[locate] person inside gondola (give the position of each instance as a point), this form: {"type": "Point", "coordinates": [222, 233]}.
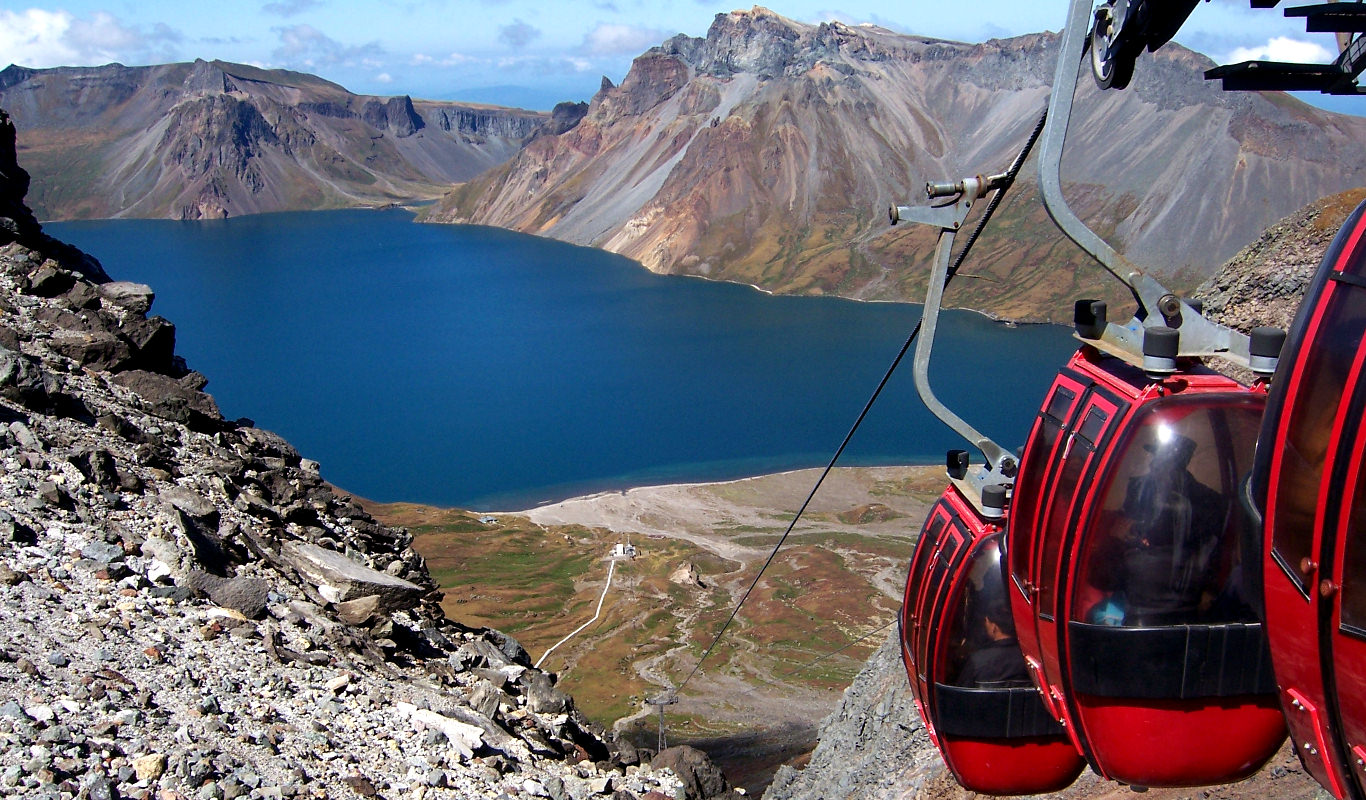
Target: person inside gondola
{"type": "Point", "coordinates": [997, 662]}
{"type": "Point", "coordinates": [1176, 525]}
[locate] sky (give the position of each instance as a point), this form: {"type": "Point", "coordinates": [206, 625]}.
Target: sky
{"type": "Point", "coordinates": [534, 54]}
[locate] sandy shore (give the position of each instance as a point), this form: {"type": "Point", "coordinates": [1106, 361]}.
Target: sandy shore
{"type": "Point", "coordinates": [709, 513]}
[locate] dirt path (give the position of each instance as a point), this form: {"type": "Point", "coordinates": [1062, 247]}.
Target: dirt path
{"type": "Point", "coordinates": [738, 520]}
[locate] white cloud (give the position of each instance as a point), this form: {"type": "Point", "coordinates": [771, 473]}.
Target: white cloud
{"type": "Point", "coordinates": [39, 38]}
{"type": "Point", "coordinates": [519, 34]}
{"type": "Point", "coordinates": [384, 77]}
{"type": "Point", "coordinates": [452, 60]}
{"type": "Point", "coordinates": [1283, 48]}
{"type": "Point", "coordinates": [288, 8]}
{"type": "Point", "coordinates": [104, 35]}
{"type": "Point", "coordinates": [543, 65]}
{"type": "Point", "coordinates": [305, 46]}
{"type": "Point", "coordinates": [34, 38]}
{"type": "Point", "coordinates": [612, 38]}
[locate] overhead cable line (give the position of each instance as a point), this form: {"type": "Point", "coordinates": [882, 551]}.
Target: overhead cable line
{"type": "Point", "coordinates": [953, 270]}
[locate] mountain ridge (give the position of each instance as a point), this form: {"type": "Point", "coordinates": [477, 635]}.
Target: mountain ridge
{"type": "Point", "coordinates": [209, 139]}
{"type": "Point", "coordinates": [765, 153]}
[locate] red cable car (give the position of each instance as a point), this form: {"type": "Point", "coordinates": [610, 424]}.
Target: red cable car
{"type": "Point", "coordinates": [965, 668]}
{"type": "Point", "coordinates": [969, 678]}
{"type": "Point", "coordinates": [1123, 545]}
{"type": "Point", "coordinates": [1310, 483]}
{"type": "Point", "coordinates": [1124, 557]}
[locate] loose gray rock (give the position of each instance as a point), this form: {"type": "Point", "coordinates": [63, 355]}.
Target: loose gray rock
{"type": "Point", "coordinates": [701, 778]}
{"type": "Point", "coordinates": [192, 503]}
{"type": "Point", "coordinates": [135, 298]}
{"type": "Point", "coordinates": [247, 596]}
{"type": "Point", "coordinates": [359, 611]}
{"type": "Point", "coordinates": [22, 379]}
{"type": "Point", "coordinates": [344, 579]}
{"type": "Point", "coordinates": [541, 696]}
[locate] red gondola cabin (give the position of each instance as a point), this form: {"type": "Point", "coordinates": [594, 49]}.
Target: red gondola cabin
{"type": "Point", "coordinates": [1310, 483]}
{"type": "Point", "coordinates": [1125, 572]}
{"type": "Point", "coordinates": [965, 667]}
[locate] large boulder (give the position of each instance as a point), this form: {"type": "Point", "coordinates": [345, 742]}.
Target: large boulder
{"type": "Point", "coordinates": [340, 579]}
{"type": "Point", "coordinates": [702, 780]}
{"type": "Point", "coordinates": [168, 398]}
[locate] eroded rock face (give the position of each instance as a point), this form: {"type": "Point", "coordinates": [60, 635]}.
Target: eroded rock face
{"type": "Point", "coordinates": [233, 139]}
{"type": "Point", "coordinates": [767, 151]}
{"type": "Point", "coordinates": [1264, 282]}
{"type": "Point", "coordinates": [873, 745]}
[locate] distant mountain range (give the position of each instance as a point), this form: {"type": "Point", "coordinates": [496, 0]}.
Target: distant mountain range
{"type": "Point", "coordinates": [212, 139]}
{"type": "Point", "coordinates": [765, 153]}
{"type": "Point", "coordinates": [768, 151]}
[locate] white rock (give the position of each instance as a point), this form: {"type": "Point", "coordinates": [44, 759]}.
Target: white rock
{"type": "Point", "coordinates": [157, 570]}
{"type": "Point", "coordinates": [601, 785]}
{"type": "Point", "coordinates": [464, 738]}
{"type": "Point", "coordinates": [41, 713]}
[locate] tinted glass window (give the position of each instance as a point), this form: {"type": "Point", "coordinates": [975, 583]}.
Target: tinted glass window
{"type": "Point", "coordinates": [941, 570]}
{"type": "Point", "coordinates": [924, 551]}
{"type": "Point", "coordinates": [1312, 411]}
{"type": "Point", "coordinates": [984, 652]}
{"type": "Point", "coordinates": [1354, 560]}
{"type": "Point", "coordinates": [1163, 548]}
{"type": "Point", "coordinates": [1354, 566]}
{"type": "Point", "coordinates": [917, 581]}
{"type": "Point", "coordinates": [1025, 506]}
{"type": "Point", "coordinates": [1066, 489]}
{"type": "Point", "coordinates": [1092, 425]}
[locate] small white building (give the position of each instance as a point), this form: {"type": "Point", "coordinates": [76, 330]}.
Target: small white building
{"type": "Point", "coordinates": [624, 550]}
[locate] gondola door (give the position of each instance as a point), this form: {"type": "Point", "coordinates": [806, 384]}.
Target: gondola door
{"type": "Point", "coordinates": [1059, 461]}
{"type": "Point", "coordinates": [1307, 483]}
{"type": "Point", "coordinates": [1343, 590]}
{"type": "Point", "coordinates": [1046, 441]}
{"type": "Point", "coordinates": [1347, 593]}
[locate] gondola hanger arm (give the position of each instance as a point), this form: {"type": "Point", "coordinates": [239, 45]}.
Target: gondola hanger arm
{"type": "Point", "coordinates": [1157, 305]}
{"type": "Point", "coordinates": [949, 219]}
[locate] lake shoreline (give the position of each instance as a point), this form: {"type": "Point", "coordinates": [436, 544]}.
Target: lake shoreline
{"type": "Point", "coordinates": [498, 370]}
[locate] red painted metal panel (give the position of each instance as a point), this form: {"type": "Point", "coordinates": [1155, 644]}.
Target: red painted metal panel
{"type": "Point", "coordinates": [1167, 743]}
{"type": "Point", "coordinates": [1013, 766]}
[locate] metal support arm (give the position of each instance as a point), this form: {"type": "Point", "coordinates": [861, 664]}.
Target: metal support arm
{"type": "Point", "coordinates": [1157, 305]}
{"type": "Point", "coordinates": [948, 218]}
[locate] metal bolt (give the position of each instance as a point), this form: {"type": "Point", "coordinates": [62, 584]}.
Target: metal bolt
{"type": "Point", "coordinates": [1169, 305]}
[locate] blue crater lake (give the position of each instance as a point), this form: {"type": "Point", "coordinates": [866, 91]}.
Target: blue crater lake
{"type": "Point", "coordinates": [475, 367]}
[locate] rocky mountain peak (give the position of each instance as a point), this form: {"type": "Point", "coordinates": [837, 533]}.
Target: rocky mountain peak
{"type": "Point", "coordinates": [208, 78]}
{"type": "Point", "coordinates": [765, 153]}
{"type": "Point", "coordinates": [768, 45]}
